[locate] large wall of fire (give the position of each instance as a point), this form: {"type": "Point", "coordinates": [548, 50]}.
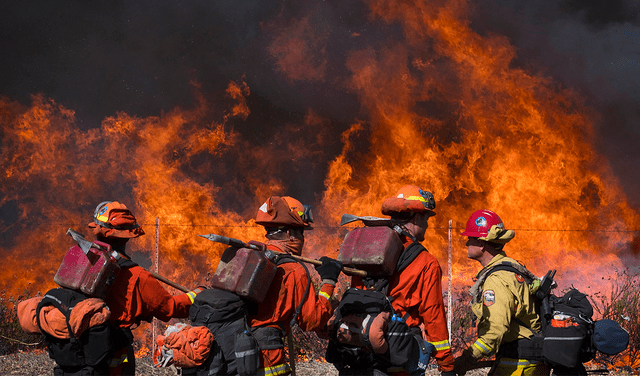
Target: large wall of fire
{"type": "Point", "coordinates": [400, 93]}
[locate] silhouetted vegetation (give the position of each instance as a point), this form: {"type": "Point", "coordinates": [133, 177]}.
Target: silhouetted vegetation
{"type": "Point", "coordinates": [12, 337]}
{"type": "Point", "coordinates": [621, 303]}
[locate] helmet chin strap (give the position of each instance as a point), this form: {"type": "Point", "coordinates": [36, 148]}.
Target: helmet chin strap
{"type": "Point", "coordinates": [401, 229]}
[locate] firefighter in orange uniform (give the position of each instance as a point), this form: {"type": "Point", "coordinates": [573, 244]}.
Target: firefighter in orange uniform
{"type": "Point", "coordinates": [135, 295]}
{"type": "Point", "coordinates": [502, 300]}
{"type": "Point", "coordinates": [291, 297]}
{"type": "Point", "coordinates": [417, 289]}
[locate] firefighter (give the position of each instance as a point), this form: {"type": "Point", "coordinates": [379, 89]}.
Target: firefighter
{"type": "Point", "coordinates": [502, 301]}
{"type": "Point", "coordinates": [291, 297]}
{"type": "Point", "coordinates": [135, 295]}
{"type": "Point", "coordinates": [416, 290]}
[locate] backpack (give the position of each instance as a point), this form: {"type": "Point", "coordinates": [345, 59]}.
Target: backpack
{"type": "Point", "coordinates": [84, 354]}
{"type": "Point", "coordinates": [359, 314]}
{"type": "Point", "coordinates": [82, 276]}
{"type": "Point", "coordinates": [568, 330]}
{"type": "Point", "coordinates": [567, 338]}
{"type": "Point", "coordinates": [224, 314]}
{"type": "Point", "coordinates": [236, 346]}
{"type": "Point", "coordinates": [359, 311]}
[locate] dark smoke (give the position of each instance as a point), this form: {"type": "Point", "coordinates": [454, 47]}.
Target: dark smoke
{"type": "Point", "coordinates": [99, 58]}
{"type": "Point", "coordinates": [592, 46]}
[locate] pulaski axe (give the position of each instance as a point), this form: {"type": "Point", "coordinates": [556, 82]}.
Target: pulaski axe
{"type": "Point", "coordinates": [86, 245]}
{"type": "Point", "coordinates": [236, 243]}
{"type": "Point", "coordinates": [367, 220]}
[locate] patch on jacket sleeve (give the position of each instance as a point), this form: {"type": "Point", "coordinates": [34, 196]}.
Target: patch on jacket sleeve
{"type": "Point", "coordinates": [519, 278]}
{"type": "Point", "coordinates": [488, 298]}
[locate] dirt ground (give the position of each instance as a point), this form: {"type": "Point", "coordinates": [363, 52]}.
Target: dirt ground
{"type": "Point", "coordinates": [37, 363]}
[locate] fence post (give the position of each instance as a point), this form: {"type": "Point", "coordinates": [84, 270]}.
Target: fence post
{"type": "Point", "coordinates": [154, 322]}
{"type": "Point", "coordinates": [450, 271]}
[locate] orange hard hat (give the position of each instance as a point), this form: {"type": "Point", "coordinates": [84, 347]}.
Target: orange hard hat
{"type": "Point", "coordinates": [112, 219]}
{"type": "Point", "coordinates": [284, 212]}
{"type": "Point", "coordinates": [409, 199]}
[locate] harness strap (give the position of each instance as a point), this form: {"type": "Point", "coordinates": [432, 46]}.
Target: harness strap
{"type": "Point", "coordinates": [410, 253]}
{"type": "Point", "coordinates": [282, 259]}
{"type": "Point", "coordinates": [125, 263]}
{"type": "Point", "coordinates": [50, 299]}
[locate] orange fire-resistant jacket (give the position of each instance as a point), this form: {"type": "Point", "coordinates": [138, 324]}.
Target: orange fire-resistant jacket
{"type": "Point", "coordinates": [418, 290]}
{"type": "Point", "coordinates": [136, 295]}
{"type": "Point", "coordinates": [285, 294]}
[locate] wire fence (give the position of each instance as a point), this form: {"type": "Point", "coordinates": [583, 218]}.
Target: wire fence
{"type": "Point", "coordinates": [343, 227]}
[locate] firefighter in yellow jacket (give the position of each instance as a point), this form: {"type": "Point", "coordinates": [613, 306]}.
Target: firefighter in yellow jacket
{"type": "Point", "coordinates": [502, 301]}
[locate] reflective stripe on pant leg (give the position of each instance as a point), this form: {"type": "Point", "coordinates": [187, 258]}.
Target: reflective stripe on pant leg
{"type": "Point", "coordinates": [518, 367]}
{"type": "Point", "coordinates": [118, 358]}
{"type": "Point", "coordinates": [441, 345]}
{"type": "Point", "coordinates": [123, 362]}
{"type": "Point", "coordinates": [280, 369]}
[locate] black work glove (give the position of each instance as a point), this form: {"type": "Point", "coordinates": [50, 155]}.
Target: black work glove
{"type": "Point", "coordinates": [448, 373]}
{"type": "Point", "coordinates": [330, 269]}
{"type": "Point", "coordinates": [464, 362]}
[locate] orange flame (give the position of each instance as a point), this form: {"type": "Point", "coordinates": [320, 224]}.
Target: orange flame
{"type": "Point", "coordinates": [442, 107]}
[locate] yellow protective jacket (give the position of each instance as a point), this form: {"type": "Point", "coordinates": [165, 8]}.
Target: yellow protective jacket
{"type": "Point", "coordinates": [502, 304]}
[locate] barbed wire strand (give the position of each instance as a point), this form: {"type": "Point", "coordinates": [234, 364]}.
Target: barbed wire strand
{"type": "Point", "coordinates": [352, 227]}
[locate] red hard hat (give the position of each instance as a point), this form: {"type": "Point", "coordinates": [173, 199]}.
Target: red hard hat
{"type": "Point", "coordinates": [480, 223]}
{"type": "Point", "coordinates": [284, 212]}
{"type": "Point", "coordinates": [409, 199]}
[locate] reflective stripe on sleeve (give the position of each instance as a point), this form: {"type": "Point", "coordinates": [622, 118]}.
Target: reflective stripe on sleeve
{"type": "Point", "coordinates": [325, 295]}
{"type": "Point", "coordinates": [482, 347]}
{"type": "Point", "coordinates": [191, 295]}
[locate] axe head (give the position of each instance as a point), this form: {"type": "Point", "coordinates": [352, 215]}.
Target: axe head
{"type": "Point", "coordinates": [84, 244]}
{"type": "Point", "coordinates": [367, 220]}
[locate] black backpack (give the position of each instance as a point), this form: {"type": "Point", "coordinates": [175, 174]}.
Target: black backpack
{"type": "Point", "coordinates": [236, 346]}
{"type": "Point", "coordinates": [398, 336]}
{"type": "Point", "coordinates": [86, 354]}
{"type": "Point", "coordinates": [568, 330]}
{"type": "Point", "coordinates": [224, 314]}
{"type": "Point", "coordinates": [566, 339]}
{"type": "Point", "coordinates": [373, 302]}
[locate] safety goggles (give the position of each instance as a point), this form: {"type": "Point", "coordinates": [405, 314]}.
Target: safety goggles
{"type": "Point", "coordinates": [307, 216]}
{"type": "Point", "coordinates": [427, 200]}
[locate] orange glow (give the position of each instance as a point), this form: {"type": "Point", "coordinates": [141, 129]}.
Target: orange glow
{"type": "Point", "coordinates": [142, 352]}
{"type": "Point", "coordinates": [443, 108]}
